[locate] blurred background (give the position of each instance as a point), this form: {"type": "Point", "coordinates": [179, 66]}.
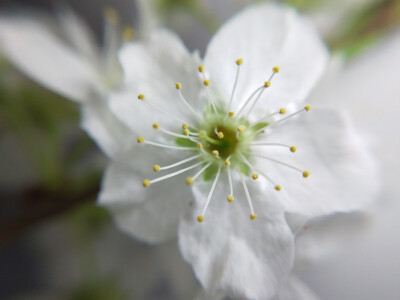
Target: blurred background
{"type": "Point", "coordinates": [55, 243]}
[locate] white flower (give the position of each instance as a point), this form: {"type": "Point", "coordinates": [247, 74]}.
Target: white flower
{"type": "Point", "coordinates": [64, 57]}
{"type": "Point", "coordinates": [223, 124]}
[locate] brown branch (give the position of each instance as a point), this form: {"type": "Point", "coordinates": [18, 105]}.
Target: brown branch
{"type": "Point", "coordinates": [17, 214]}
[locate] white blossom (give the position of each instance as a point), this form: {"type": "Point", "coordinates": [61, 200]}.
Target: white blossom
{"type": "Point", "coordinates": [238, 125]}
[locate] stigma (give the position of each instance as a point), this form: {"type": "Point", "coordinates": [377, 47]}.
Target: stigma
{"type": "Point", "coordinates": [220, 141]}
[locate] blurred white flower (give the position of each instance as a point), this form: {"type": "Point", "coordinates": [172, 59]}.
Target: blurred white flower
{"type": "Point", "coordinates": [216, 113]}
{"type": "Point", "coordinates": [370, 90]}
{"type": "Point", "coordinates": [63, 56]}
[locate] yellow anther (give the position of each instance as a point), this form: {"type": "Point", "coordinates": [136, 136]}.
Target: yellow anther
{"type": "Point", "coordinates": [201, 68]}
{"type": "Point", "coordinates": [156, 126]}
{"type": "Point", "coordinates": [128, 33]}
{"type": "Point", "coordinates": [275, 69]}
{"type": "Point", "coordinates": [267, 84]}
{"type": "Point", "coordinates": [199, 145]}
{"type": "Point", "coordinates": [215, 153]}
{"type": "Point", "coordinates": [306, 174]}
{"type": "Point", "coordinates": [230, 198]}
{"type": "Point", "coordinates": [200, 218]}
{"type": "Point", "coordinates": [278, 187]}
{"type": "Point", "coordinates": [220, 135]}
{"type": "Point", "coordinates": [231, 114]}
{"type": "Point", "coordinates": [189, 181]}
{"type": "Point", "coordinates": [241, 128]}
{"type": "Point", "coordinates": [146, 183]}
{"type": "Point", "coordinates": [307, 107]}
{"type": "Point", "coordinates": [111, 15]}
{"type": "Point", "coordinates": [140, 97]}
{"type": "Point", "coordinates": [185, 126]}
{"type": "Point", "coordinates": [254, 176]}
{"type": "Point", "coordinates": [140, 139]}
{"type": "Point", "coordinates": [227, 163]}
{"type": "Point", "coordinates": [156, 168]}
{"type": "Point", "coordinates": [282, 111]}
{"type": "Point", "coordinates": [202, 134]}
{"type": "Point", "coordinates": [186, 132]}
{"type": "Point", "coordinates": [178, 85]}
{"type": "Point", "coordinates": [253, 216]}
{"type": "Point", "coordinates": [293, 149]}
{"type": "Point", "coordinates": [206, 82]}
{"type": "Point", "coordinates": [239, 61]}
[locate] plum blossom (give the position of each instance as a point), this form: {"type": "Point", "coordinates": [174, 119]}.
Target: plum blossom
{"type": "Point", "coordinates": [237, 124]}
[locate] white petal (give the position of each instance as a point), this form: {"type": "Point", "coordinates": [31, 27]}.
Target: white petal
{"type": "Point", "coordinates": [78, 33]}
{"type": "Point", "coordinates": [294, 289]}
{"type": "Point", "coordinates": [264, 36]}
{"type": "Point", "coordinates": [104, 128]}
{"type": "Point", "coordinates": [36, 50]}
{"type": "Point", "coordinates": [231, 253]}
{"type": "Point", "coordinates": [368, 89]}
{"type": "Point", "coordinates": [150, 214]}
{"type": "Point", "coordinates": [329, 236]}
{"type": "Point", "coordinates": [336, 157]}
{"type": "Point", "coordinates": [151, 68]}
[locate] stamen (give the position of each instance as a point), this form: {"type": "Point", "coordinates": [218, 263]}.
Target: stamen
{"type": "Point", "coordinates": [248, 100]}
{"type": "Point", "coordinates": [178, 86]}
{"type": "Point", "coordinates": [215, 153]}
{"type": "Point", "coordinates": [253, 216]}
{"type": "Point", "coordinates": [291, 148]}
{"type": "Point", "coordinates": [206, 83]}
{"type": "Point", "coordinates": [161, 110]}
{"type": "Point", "coordinates": [241, 128]}
{"type": "Point", "coordinates": [276, 186]}
{"type": "Point", "coordinates": [304, 173]}
{"type": "Point", "coordinates": [202, 134]}
{"type": "Point", "coordinates": [239, 61]}
{"type": "Point", "coordinates": [149, 182]}
{"type": "Point", "coordinates": [254, 176]}
{"type": "Point", "coordinates": [141, 140]}
{"type": "Point", "coordinates": [230, 197]}
{"type": "Point", "coordinates": [267, 84]}
{"type": "Point", "coordinates": [305, 109]}
{"type": "Point", "coordinates": [192, 179]}
{"type": "Point", "coordinates": [200, 218]}
{"type": "Point", "coordinates": [156, 126]}
{"type": "Point", "coordinates": [179, 163]}
{"type": "Point", "coordinates": [282, 111]}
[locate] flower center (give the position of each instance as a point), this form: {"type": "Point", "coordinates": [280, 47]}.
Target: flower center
{"type": "Point", "coordinates": [222, 141]}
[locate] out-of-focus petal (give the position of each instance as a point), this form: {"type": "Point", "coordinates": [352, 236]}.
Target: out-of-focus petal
{"type": "Point", "coordinates": [37, 51]}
